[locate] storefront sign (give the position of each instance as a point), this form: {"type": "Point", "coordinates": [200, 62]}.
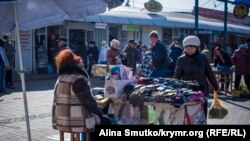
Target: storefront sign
{"type": "Point", "coordinates": [25, 39]}
{"type": "Point", "coordinates": [26, 45]}
{"type": "Point", "coordinates": [241, 11]}
{"type": "Point", "coordinates": [153, 6]}
{"type": "Point", "coordinates": [133, 28]}
{"type": "Point", "coordinates": [149, 28]}
{"type": "Point", "coordinates": [100, 25]}
{"type": "Point", "coordinates": [216, 14]}
{"type": "Point", "coordinates": [205, 32]}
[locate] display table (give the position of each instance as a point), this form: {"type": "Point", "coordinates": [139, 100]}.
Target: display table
{"type": "Point", "coordinates": [227, 76]}
{"type": "Point", "coordinates": [166, 114]}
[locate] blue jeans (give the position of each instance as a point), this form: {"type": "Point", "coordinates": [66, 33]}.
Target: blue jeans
{"type": "Point", "coordinates": [2, 75]}
{"type": "Point", "coordinates": [160, 73]}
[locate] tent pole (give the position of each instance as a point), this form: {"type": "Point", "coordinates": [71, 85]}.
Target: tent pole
{"type": "Point", "coordinates": [196, 11]}
{"type": "Point", "coordinates": [22, 75]}
{"type": "Point", "coordinates": [225, 25]}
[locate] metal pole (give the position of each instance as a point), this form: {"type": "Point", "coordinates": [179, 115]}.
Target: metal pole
{"type": "Point", "coordinates": [22, 75]}
{"type": "Point", "coordinates": [225, 25]}
{"type": "Point", "coordinates": [196, 9]}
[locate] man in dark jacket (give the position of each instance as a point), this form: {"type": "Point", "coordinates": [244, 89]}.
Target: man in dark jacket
{"type": "Point", "coordinates": [10, 53]}
{"type": "Point", "coordinates": [62, 44]}
{"type": "Point", "coordinates": [160, 60]}
{"type": "Point", "coordinates": [92, 53]}
{"type": "Point", "coordinates": [176, 51]}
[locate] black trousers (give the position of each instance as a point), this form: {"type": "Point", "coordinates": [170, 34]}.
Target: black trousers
{"type": "Point", "coordinates": [8, 78]}
{"type": "Point", "coordinates": [238, 78]}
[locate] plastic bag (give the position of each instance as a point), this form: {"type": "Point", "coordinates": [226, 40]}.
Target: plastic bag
{"type": "Point", "coordinates": [217, 110]}
{"type": "Point", "coordinates": [152, 115]}
{"type": "Point", "coordinates": [244, 90]}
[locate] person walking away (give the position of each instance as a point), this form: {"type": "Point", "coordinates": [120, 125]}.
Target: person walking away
{"type": "Point", "coordinates": [92, 53]}
{"type": "Point", "coordinates": [240, 60]}
{"type": "Point", "coordinates": [103, 53]}
{"type": "Point", "coordinates": [132, 56]}
{"type": "Point", "coordinates": [160, 60]}
{"type": "Point", "coordinates": [62, 45]}
{"type": "Point", "coordinates": [146, 66]}
{"type": "Point", "coordinates": [221, 58]}
{"type": "Point", "coordinates": [10, 53]}
{"type": "Point", "coordinates": [3, 65]}
{"type": "Point", "coordinates": [175, 53]}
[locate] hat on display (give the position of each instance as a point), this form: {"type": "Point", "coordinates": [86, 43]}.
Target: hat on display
{"type": "Point", "coordinates": [62, 38]}
{"type": "Point", "coordinates": [191, 41]}
{"type": "Point", "coordinates": [243, 46]}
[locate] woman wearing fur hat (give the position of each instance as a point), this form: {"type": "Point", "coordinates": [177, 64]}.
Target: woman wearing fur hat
{"type": "Point", "coordinates": [193, 65]}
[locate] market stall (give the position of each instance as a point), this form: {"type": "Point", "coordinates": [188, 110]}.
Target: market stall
{"type": "Point", "coordinates": [153, 101]}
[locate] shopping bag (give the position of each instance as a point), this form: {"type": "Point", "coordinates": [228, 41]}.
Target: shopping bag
{"type": "Point", "coordinates": [152, 115]}
{"type": "Point", "coordinates": [217, 110]}
{"type": "Point", "coordinates": [244, 90]}
{"type": "Point", "coordinates": [114, 88]}
{"type": "Point", "coordinates": [236, 93]}
{"type": "Point", "coordinates": [177, 116]}
{"type": "Point", "coordinates": [194, 114]}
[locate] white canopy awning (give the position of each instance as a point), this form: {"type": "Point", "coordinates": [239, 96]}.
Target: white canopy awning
{"type": "Point", "coordinates": [126, 15]}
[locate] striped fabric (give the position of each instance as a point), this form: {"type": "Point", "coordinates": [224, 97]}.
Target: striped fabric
{"type": "Point", "coordinates": [68, 114]}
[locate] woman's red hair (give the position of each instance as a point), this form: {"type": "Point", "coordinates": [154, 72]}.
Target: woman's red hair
{"type": "Point", "coordinates": [67, 57]}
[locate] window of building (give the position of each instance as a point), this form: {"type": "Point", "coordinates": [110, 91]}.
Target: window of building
{"type": "Point", "coordinates": [167, 36]}
{"type": "Point", "coordinates": [41, 48]}
{"type": "Point", "coordinates": [113, 33]}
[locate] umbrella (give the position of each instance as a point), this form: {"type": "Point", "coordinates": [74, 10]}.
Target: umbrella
{"type": "Point", "coordinates": [30, 14]}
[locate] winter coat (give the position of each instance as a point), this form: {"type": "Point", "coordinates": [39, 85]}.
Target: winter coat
{"type": "Point", "coordinates": [10, 53]}
{"type": "Point", "coordinates": [61, 48]}
{"type": "Point", "coordinates": [112, 53]}
{"type": "Point", "coordinates": [160, 56]}
{"type": "Point", "coordinates": [174, 55]}
{"type": "Point", "coordinates": [95, 54]}
{"type": "Point", "coordinates": [132, 57]}
{"type": "Point", "coordinates": [73, 101]}
{"type": "Point", "coordinates": [226, 57]}
{"type": "Point", "coordinates": [241, 61]}
{"type": "Point", "coordinates": [195, 68]}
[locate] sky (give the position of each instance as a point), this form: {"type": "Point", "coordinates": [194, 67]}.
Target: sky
{"type": "Point", "coordinates": [184, 5]}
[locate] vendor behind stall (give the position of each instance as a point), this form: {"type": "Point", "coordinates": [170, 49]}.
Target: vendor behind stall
{"type": "Point", "coordinates": [222, 58]}
{"type": "Point", "coordinates": [193, 65]}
